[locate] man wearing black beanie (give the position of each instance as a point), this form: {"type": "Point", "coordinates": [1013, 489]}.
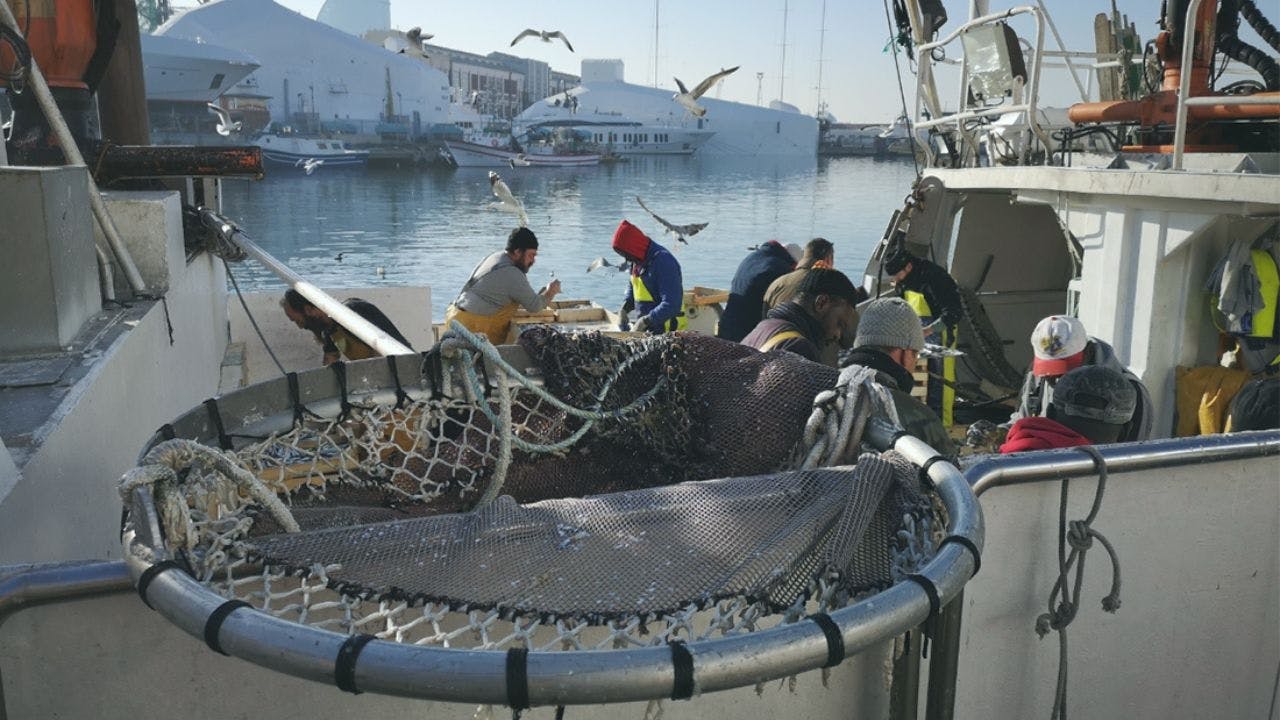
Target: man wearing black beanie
{"type": "Point", "coordinates": [498, 286]}
{"type": "Point", "coordinates": [809, 322]}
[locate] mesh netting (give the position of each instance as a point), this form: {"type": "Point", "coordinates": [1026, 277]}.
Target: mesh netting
{"type": "Point", "coordinates": [493, 510]}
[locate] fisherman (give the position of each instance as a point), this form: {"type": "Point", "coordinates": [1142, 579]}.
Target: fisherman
{"type": "Point", "coordinates": [755, 274]}
{"type": "Point", "coordinates": [498, 286]}
{"type": "Point", "coordinates": [1092, 405]}
{"type": "Point", "coordinates": [336, 340]}
{"type": "Point", "coordinates": [656, 291]}
{"type": "Point", "coordinates": [1060, 344]}
{"type": "Point", "coordinates": [811, 321]}
{"type": "Point", "coordinates": [818, 253]}
{"type": "Point", "coordinates": [889, 340]}
{"type": "Point", "coordinates": [935, 297]}
{"type": "Point", "coordinates": [1256, 406]}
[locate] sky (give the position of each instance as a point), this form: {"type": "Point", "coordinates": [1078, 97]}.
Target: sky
{"type": "Point", "coordinates": [698, 37]}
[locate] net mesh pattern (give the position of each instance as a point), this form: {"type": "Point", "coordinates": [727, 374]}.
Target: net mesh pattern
{"type": "Point", "coordinates": [645, 493]}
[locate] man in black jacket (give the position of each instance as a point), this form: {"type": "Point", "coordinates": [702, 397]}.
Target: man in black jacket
{"type": "Point", "coordinates": [755, 273]}
{"type": "Point", "coordinates": [811, 321]}
{"type": "Point", "coordinates": [935, 297]}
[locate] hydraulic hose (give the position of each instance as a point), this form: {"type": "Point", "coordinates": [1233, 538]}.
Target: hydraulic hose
{"type": "Point", "coordinates": [1230, 44]}
{"type": "Point", "coordinates": [1250, 12]}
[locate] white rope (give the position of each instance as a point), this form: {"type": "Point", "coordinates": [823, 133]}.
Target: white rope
{"type": "Point", "coordinates": [834, 428]}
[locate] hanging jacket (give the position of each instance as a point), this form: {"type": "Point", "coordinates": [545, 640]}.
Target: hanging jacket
{"type": "Point", "coordinates": [917, 419]}
{"type": "Point", "coordinates": [788, 327]}
{"type": "Point", "coordinates": [1040, 433]}
{"type": "Point", "coordinates": [656, 270]}
{"type": "Point", "coordinates": [746, 293]}
{"type": "Point", "coordinates": [1037, 392]}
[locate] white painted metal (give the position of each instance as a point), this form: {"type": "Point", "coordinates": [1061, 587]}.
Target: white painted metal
{"type": "Point", "coordinates": [1184, 83]}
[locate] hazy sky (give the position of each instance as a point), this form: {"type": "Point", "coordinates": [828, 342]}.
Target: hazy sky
{"type": "Point", "coordinates": [698, 37]}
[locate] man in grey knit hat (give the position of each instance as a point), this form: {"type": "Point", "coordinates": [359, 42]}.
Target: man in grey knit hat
{"type": "Point", "coordinates": [889, 341]}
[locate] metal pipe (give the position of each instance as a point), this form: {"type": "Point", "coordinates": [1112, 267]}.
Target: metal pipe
{"type": "Point", "coordinates": [1125, 457]}
{"type": "Point", "coordinates": [106, 276]}
{"type": "Point", "coordinates": [1184, 83]}
{"type": "Point", "coordinates": [68, 144]}
{"type": "Point", "coordinates": [27, 585]}
{"type": "Point", "coordinates": [578, 677]}
{"type": "Point", "coordinates": [1044, 11]}
{"type": "Point", "coordinates": [940, 698]}
{"type": "Point", "coordinates": [1272, 99]}
{"type": "Point", "coordinates": [368, 333]}
{"type": "Point", "coordinates": [1019, 10]}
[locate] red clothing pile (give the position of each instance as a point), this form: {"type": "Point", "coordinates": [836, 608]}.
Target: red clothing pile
{"type": "Point", "coordinates": [1040, 433]}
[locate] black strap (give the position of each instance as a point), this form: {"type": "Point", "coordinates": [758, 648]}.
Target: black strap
{"type": "Point", "coordinates": [402, 398]}
{"type": "Point", "coordinates": [151, 573]}
{"type": "Point", "coordinates": [295, 398]}
{"type": "Point", "coordinates": [682, 664]}
{"type": "Point", "coordinates": [518, 678]}
{"type": "Point", "coordinates": [966, 542]}
{"type": "Point", "coordinates": [215, 417]}
{"type": "Point", "coordinates": [559, 712]}
{"type": "Point", "coordinates": [898, 436]}
{"type": "Point", "coordinates": [924, 469]}
{"type": "Point", "coordinates": [214, 623]}
{"type": "Point", "coordinates": [835, 640]}
{"type": "Point", "coordinates": [340, 372]}
{"type": "Point", "coordinates": [433, 369]}
{"type": "Point", "coordinates": [166, 432]}
{"type": "Point", "coordinates": [935, 603]}
{"type": "Point", "coordinates": [344, 667]}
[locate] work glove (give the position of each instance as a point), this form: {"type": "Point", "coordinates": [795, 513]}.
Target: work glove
{"type": "Point", "coordinates": [984, 433]}
{"type": "Point", "coordinates": [642, 325]}
{"type": "Point", "coordinates": [624, 322]}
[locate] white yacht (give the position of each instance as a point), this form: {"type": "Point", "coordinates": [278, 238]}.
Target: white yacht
{"type": "Point", "coordinates": [180, 70]}
{"type": "Point", "coordinates": [616, 135]}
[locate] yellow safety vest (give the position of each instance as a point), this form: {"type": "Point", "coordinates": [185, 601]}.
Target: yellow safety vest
{"type": "Point", "coordinates": [918, 303]}
{"type": "Point", "coordinates": [641, 294]}
{"type": "Point", "coordinates": [946, 411]}
{"type": "Point", "coordinates": [1264, 320]}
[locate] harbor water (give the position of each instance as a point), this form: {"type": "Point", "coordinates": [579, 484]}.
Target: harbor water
{"type": "Point", "coordinates": [431, 227]}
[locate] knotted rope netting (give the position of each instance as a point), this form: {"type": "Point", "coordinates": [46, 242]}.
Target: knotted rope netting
{"type": "Point", "coordinates": [615, 494]}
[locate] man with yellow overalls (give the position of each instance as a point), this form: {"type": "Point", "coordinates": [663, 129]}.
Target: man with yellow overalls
{"type": "Point", "coordinates": [656, 291]}
{"type": "Point", "coordinates": [935, 297]}
{"type": "Point", "coordinates": [499, 285]}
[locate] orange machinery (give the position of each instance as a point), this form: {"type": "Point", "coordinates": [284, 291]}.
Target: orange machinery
{"type": "Point", "coordinates": [1161, 108]}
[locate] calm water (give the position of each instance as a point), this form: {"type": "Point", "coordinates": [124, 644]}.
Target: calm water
{"type": "Point", "coordinates": [432, 227]}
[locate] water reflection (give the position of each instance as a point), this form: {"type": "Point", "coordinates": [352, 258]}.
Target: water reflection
{"type": "Point", "coordinates": [432, 227]}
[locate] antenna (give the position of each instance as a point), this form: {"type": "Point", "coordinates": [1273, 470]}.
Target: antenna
{"type": "Point", "coordinates": [782, 73]}
{"type": "Point", "coordinates": [760, 88]}
{"type": "Point", "coordinates": [655, 43]}
{"type": "Point", "coordinates": [822, 41]}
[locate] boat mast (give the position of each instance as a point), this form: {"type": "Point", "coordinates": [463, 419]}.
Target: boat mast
{"type": "Point", "coordinates": [822, 41]}
{"type": "Point", "coordinates": [655, 43]}
{"type": "Point", "coordinates": [782, 73]}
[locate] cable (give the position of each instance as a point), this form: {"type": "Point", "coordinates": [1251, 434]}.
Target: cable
{"type": "Point", "coordinates": [911, 133]}
{"type": "Point", "coordinates": [252, 321]}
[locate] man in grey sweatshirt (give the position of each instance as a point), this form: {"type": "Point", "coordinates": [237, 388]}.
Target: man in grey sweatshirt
{"type": "Point", "coordinates": [498, 286]}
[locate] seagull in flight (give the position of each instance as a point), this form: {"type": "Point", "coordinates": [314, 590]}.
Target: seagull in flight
{"type": "Point", "coordinates": [309, 165]}
{"type": "Point", "coordinates": [518, 161]}
{"type": "Point", "coordinates": [416, 35]}
{"type": "Point", "coordinates": [546, 36]}
{"type": "Point", "coordinates": [506, 201]}
{"type": "Point", "coordinates": [225, 125]}
{"type": "Point", "coordinates": [679, 231]}
{"type": "Point", "coordinates": [689, 100]}
{"type": "Point", "coordinates": [603, 263]}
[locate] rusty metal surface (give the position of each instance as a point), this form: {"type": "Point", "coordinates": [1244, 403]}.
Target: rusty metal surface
{"type": "Point", "coordinates": [119, 162]}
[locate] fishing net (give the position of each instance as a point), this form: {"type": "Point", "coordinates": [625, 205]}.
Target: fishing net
{"type": "Point", "coordinates": [614, 493]}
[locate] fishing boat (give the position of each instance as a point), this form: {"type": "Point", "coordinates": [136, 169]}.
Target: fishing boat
{"type": "Point", "coordinates": [1123, 240]}
{"type": "Point", "coordinates": [468, 154]}
{"type": "Point", "coordinates": [294, 151]}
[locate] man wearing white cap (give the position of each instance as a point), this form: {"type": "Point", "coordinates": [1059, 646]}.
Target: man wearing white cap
{"type": "Point", "coordinates": [1060, 344]}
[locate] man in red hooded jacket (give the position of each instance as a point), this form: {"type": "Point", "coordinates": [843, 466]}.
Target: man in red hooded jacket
{"type": "Point", "coordinates": [656, 291]}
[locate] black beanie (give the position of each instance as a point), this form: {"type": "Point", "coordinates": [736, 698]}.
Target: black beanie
{"type": "Point", "coordinates": [522, 238]}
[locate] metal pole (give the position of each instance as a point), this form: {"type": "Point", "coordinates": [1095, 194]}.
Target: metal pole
{"type": "Point", "coordinates": [1184, 83]}
{"type": "Point", "coordinates": [940, 703]}
{"type": "Point", "coordinates": [368, 333]}
{"type": "Point", "coordinates": [1053, 28]}
{"type": "Point", "coordinates": [23, 586]}
{"type": "Point", "coordinates": [68, 144]}
{"type": "Point", "coordinates": [904, 694]}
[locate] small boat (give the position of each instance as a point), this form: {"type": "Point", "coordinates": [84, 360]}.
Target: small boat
{"type": "Point", "coordinates": [295, 151]}
{"type": "Point", "coordinates": [469, 154]}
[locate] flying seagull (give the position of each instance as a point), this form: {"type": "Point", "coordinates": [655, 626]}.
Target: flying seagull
{"type": "Point", "coordinates": [225, 125]}
{"type": "Point", "coordinates": [689, 100]}
{"type": "Point", "coordinates": [603, 263]}
{"type": "Point", "coordinates": [546, 35]}
{"type": "Point", "coordinates": [416, 35]}
{"type": "Point", "coordinates": [310, 164]}
{"type": "Point", "coordinates": [680, 231]}
{"type": "Point", "coordinates": [519, 161]}
{"type": "Point", "coordinates": [507, 201]}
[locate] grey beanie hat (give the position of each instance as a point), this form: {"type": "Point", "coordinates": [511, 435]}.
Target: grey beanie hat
{"type": "Point", "coordinates": [890, 323]}
{"type": "Point", "coordinates": [1093, 392]}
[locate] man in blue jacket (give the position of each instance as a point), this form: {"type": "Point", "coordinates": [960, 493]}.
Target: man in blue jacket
{"type": "Point", "coordinates": [656, 291]}
{"type": "Point", "coordinates": [755, 274]}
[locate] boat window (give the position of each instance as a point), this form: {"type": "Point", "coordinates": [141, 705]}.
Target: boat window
{"type": "Point", "coordinates": [778, 127]}
{"type": "Point", "coordinates": [217, 81]}
{"type": "Point", "coordinates": [322, 146]}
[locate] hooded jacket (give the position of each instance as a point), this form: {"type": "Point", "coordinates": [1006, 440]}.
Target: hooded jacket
{"type": "Point", "coordinates": [746, 294]}
{"type": "Point", "coordinates": [1040, 433]}
{"type": "Point", "coordinates": [657, 268]}
{"type": "Point", "coordinates": [1037, 392]}
{"type": "Point", "coordinates": [939, 290]}
{"type": "Point", "coordinates": [789, 317]}
{"type": "Point", "coordinates": [917, 419]}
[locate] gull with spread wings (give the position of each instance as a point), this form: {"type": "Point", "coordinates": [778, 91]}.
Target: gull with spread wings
{"type": "Point", "coordinates": [225, 125]}
{"type": "Point", "coordinates": [689, 100]}
{"type": "Point", "coordinates": [507, 201]}
{"type": "Point", "coordinates": [546, 36]}
{"type": "Point", "coordinates": [603, 263]}
{"type": "Point", "coordinates": [680, 231]}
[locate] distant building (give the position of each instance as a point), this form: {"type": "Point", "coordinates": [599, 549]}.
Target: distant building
{"type": "Point", "coordinates": [602, 70]}
{"type": "Point", "coordinates": [501, 84]}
